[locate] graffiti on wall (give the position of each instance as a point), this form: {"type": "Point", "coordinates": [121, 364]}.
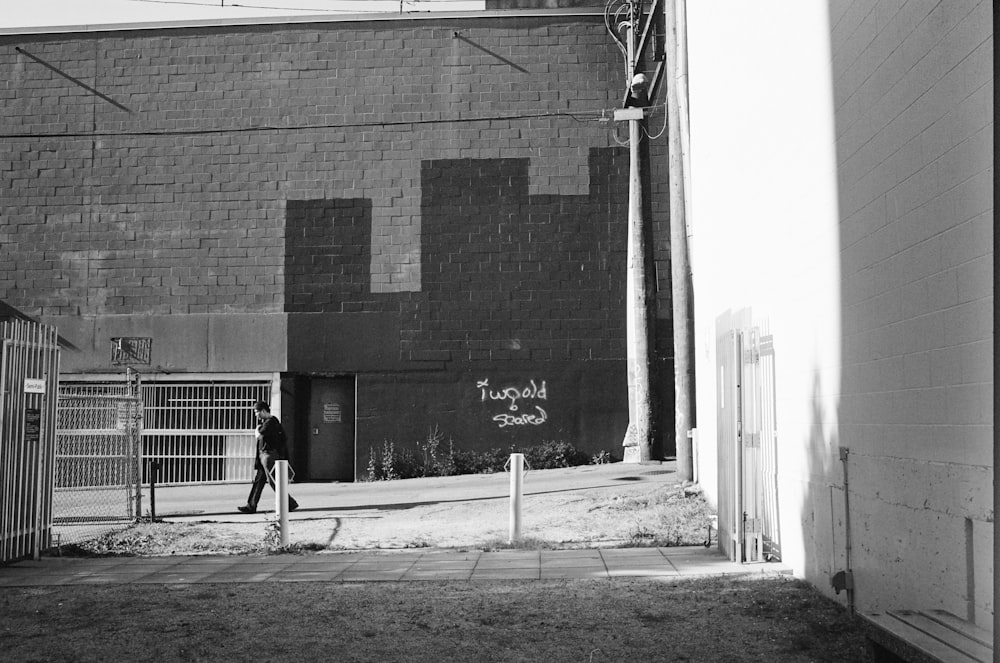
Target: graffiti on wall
{"type": "Point", "coordinates": [514, 398]}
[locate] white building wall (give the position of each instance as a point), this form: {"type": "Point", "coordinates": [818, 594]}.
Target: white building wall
{"type": "Point", "coordinates": [840, 165]}
{"type": "Point", "coordinates": [913, 84]}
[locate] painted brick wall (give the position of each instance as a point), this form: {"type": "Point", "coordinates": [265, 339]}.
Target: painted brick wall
{"type": "Point", "coordinates": [174, 197]}
{"type": "Point", "coordinates": [913, 86]}
{"type": "Point", "coordinates": [328, 253]}
{"type": "Point", "coordinates": [448, 181]}
{"type": "Point", "coordinates": [513, 276]}
{"type": "Point", "coordinates": [193, 184]}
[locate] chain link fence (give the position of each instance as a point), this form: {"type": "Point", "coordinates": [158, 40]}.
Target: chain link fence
{"type": "Point", "coordinates": [97, 464]}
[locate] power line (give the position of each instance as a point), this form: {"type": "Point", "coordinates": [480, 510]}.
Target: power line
{"type": "Point", "coordinates": [392, 5]}
{"type": "Point", "coordinates": [579, 116]}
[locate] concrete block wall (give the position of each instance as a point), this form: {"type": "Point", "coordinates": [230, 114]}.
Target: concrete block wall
{"type": "Point", "coordinates": [913, 89]}
{"type": "Point", "coordinates": [856, 222]}
{"type": "Point", "coordinates": [444, 188]}
{"type": "Point", "coordinates": [201, 136]}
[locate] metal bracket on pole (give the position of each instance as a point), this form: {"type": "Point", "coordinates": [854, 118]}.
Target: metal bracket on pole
{"type": "Point", "coordinates": [622, 114]}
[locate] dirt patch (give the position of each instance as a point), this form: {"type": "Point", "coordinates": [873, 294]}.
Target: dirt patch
{"type": "Point", "coordinates": [631, 514]}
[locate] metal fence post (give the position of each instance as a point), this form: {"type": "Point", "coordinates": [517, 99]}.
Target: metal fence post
{"type": "Point", "coordinates": [516, 495]}
{"type": "Point", "coordinates": [154, 471]}
{"type": "Point", "coordinates": [281, 499]}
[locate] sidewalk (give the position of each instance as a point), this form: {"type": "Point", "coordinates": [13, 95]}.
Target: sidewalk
{"type": "Point", "coordinates": [329, 506]}
{"type": "Point", "coordinates": [375, 566]}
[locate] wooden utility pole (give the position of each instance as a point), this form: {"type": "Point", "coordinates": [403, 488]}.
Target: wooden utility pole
{"type": "Point", "coordinates": [680, 266]}
{"type": "Point", "coordinates": [638, 438]}
{"type": "Point", "coordinates": [623, 20]}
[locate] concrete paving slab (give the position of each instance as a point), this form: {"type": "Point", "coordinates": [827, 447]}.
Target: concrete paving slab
{"type": "Point", "coordinates": [307, 571]}
{"type": "Point", "coordinates": [378, 566]}
{"type": "Point", "coordinates": [632, 553]}
{"type": "Point", "coordinates": [571, 553]}
{"type": "Point", "coordinates": [425, 574]}
{"type": "Point", "coordinates": [531, 555]}
{"type": "Point", "coordinates": [371, 575]}
{"type": "Point", "coordinates": [501, 564]}
{"type": "Point", "coordinates": [107, 580]}
{"type": "Point", "coordinates": [322, 559]}
{"type": "Point", "coordinates": [313, 577]}
{"type": "Point", "coordinates": [573, 572]}
{"type": "Point", "coordinates": [506, 574]}
{"type": "Point", "coordinates": [555, 564]}
{"type": "Point", "coordinates": [236, 578]}
{"type": "Point", "coordinates": [465, 567]}
{"type": "Point", "coordinates": [643, 573]}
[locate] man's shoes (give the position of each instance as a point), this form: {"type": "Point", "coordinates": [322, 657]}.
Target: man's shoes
{"type": "Point", "coordinates": [246, 509]}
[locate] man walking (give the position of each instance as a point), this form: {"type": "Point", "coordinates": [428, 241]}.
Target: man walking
{"type": "Point", "coordinates": [271, 446]}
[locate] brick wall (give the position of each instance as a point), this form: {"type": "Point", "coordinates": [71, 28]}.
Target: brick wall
{"type": "Point", "coordinates": [449, 180]}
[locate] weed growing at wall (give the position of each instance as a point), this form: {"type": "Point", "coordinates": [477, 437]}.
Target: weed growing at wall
{"type": "Point", "coordinates": [552, 454]}
{"type": "Point", "coordinates": [438, 461]}
{"type": "Point", "coordinates": [601, 458]}
{"type": "Point", "coordinates": [437, 456]}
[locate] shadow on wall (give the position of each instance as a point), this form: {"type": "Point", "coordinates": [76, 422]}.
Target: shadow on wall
{"type": "Point", "coordinates": [825, 509]}
{"type": "Point", "coordinates": [909, 507]}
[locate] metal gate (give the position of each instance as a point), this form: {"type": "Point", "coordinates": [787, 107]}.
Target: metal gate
{"type": "Point", "coordinates": [98, 460]}
{"type": "Point", "coordinates": [29, 380]}
{"type": "Point", "coordinates": [201, 432]}
{"type": "Point", "coordinates": [748, 491]}
{"type": "Point", "coordinates": [194, 431]}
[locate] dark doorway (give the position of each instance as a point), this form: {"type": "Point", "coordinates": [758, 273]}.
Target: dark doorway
{"type": "Point", "coordinates": [331, 429]}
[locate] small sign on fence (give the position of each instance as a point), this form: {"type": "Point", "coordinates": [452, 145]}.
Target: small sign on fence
{"type": "Point", "coordinates": [32, 425]}
{"type": "Point", "coordinates": [34, 386]}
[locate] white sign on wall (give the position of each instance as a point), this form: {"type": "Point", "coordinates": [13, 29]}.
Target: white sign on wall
{"type": "Point", "coordinates": [332, 413]}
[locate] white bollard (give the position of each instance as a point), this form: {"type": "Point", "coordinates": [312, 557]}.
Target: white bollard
{"type": "Point", "coordinates": [281, 499]}
{"type": "Point", "coordinates": [516, 493]}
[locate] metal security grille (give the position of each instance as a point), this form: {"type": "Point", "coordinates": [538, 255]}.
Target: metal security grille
{"type": "Point", "coordinates": [200, 432]}
{"type": "Point", "coordinates": [98, 459]}
{"type": "Point", "coordinates": [760, 490]}
{"type": "Point", "coordinates": [29, 371]}
{"type": "Point", "coordinates": [748, 490]}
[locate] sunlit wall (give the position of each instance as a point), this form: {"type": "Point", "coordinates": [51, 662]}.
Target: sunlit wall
{"type": "Point", "coordinates": [839, 165]}
{"type": "Point", "coordinates": [764, 235]}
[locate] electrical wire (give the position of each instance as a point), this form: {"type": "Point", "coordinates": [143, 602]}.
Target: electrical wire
{"type": "Point", "coordinates": [662, 129]}
{"type": "Point", "coordinates": [579, 116]}
{"type": "Point", "coordinates": [238, 5]}
{"type": "Point", "coordinates": [621, 143]}
{"type": "Point", "coordinates": [653, 108]}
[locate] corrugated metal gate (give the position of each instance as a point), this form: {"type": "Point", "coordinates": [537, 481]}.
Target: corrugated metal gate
{"type": "Point", "coordinates": [29, 381]}
{"type": "Point", "coordinates": [748, 492]}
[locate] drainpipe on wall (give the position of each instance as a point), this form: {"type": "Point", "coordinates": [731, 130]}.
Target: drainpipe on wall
{"type": "Point", "coordinates": [996, 353]}
{"type": "Point", "coordinates": [845, 579]}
